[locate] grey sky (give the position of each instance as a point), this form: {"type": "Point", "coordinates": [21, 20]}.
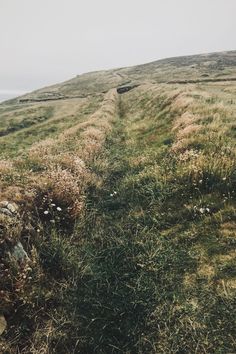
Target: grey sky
{"type": "Point", "coordinates": [48, 41]}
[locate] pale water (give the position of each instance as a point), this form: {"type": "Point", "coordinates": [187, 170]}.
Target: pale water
{"type": "Point", "coordinates": [8, 94]}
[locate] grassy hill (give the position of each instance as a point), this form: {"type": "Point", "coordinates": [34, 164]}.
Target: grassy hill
{"type": "Point", "coordinates": [117, 212]}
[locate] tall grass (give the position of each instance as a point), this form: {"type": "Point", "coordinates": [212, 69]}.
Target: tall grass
{"type": "Point", "coordinates": [128, 219]}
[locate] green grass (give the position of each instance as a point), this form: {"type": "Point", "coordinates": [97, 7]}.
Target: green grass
{"type": "Point", "coordinates": [148, 266]}
{"type": "Point", "coordinates": [19, 135]}
{"type": "Point", "coordinates": [142, 256]}
{"type": "Point", "coordinates": [137, 277]}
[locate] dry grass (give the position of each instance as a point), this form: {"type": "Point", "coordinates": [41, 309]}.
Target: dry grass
{"type": "Point", "coordinates": [129, 224]}
{"type": "Point", "coordinates": [50, 191]}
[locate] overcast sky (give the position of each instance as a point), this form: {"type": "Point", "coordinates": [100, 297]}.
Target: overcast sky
{"type": "Point", "coordinates": [48, 41]}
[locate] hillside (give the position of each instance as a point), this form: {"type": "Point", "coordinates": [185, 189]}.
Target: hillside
{"type": "Point", "coordinates": [117, 212]}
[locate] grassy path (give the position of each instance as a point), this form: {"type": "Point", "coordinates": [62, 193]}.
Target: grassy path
{"type": "Point", "coordinates": [147, 268]}
{"type": "Point", "coordinates": [140, 293]}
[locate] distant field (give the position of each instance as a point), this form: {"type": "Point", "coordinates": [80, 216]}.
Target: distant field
{"type": "Point", "coordinates": [125, 207]}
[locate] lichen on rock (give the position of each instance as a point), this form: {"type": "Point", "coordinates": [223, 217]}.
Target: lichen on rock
{"type": "Point", "coordinates": [3, 324]}
{"type": "Point", "coordinates": [19, 253]}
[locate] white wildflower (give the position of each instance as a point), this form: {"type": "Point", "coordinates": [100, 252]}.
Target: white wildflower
{"type": "Point", "coordinates": [59, 209]}
{"type": "Point", "coordinates": [46, 212]}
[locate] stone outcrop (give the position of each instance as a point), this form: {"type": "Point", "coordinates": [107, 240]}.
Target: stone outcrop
{"type": "Point", "coordinates": [11, 253]}
{"type": "Point", "coordinates": [10, 224]}
{"type": "Point", "coordinates": [19, 253]}
{"type": "Point", "coordinates": [3, 324]}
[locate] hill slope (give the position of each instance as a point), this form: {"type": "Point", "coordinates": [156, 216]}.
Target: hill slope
{"type": "Point", "coordinates": [117, 212]}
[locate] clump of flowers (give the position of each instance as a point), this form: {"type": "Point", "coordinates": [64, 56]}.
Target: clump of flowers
{"type": "Point", "coordinates": [201, 210]}
{"type": "Point", "coordinates": [188, 155]}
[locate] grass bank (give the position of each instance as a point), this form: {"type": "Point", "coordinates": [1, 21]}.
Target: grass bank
{"type": "Point", "coordinates": [148, 266]}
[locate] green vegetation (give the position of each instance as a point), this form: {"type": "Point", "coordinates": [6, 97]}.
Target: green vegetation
{"type": "Point", "coordinates": [127, 213]}
{"type": "Point", "coordinates": [21, 133]}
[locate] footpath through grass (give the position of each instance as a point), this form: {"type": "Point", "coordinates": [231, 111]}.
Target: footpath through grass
{"type": "Point", "coordinates": [149, 266]}
{"type": "Point", "coordinates": [154, 279]}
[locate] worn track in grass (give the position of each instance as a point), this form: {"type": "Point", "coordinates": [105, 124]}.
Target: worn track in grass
{"type": "Point", "coordinates": [126, 211]}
